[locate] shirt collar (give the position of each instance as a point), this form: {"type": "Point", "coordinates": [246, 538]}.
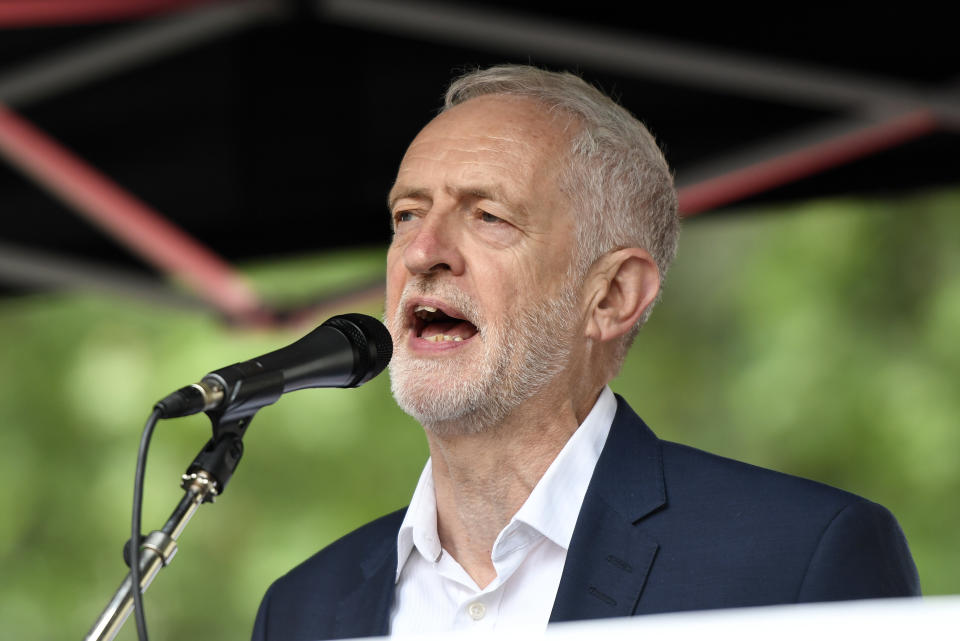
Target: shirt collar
{"type": "Point", "coordinates": [419, 527]}
{"type": "Point", "coordinates": [567, 478]}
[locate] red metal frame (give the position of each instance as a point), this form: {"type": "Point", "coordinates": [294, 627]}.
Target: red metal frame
{"type": "Point", "coordinates": [129, 220]}
{"type": "Point", "coordinates": [801, 163]}
{"type": "Point", "coordinates": [37, 13]}
{"type": "Point", "coordinates": [162, 244]}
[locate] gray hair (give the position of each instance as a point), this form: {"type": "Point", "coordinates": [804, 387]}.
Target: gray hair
{"type": "Point", "coordinates": [617, 179]}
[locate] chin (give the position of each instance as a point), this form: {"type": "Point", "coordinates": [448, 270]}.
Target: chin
{"type": "Point", "coordinates": [448, 399]}
{"type": "Point", "coordinates": [444, 402]}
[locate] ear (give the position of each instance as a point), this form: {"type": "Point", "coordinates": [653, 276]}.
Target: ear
{"type": "Point", "coordinates": [625, 283]}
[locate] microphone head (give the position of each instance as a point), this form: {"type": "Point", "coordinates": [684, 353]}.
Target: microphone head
{"type": "Point", "coordinates": [371, 340]}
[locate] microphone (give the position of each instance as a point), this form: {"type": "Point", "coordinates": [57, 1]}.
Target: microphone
{"type": "Point", "coordinates": [345, 351]}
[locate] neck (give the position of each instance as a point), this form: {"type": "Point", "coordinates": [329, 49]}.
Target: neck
{"type": "Point", "coordinates": [482, 478]}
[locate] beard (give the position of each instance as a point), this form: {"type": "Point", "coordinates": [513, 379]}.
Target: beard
{"type": "Point", "coordinates": [521, 353]}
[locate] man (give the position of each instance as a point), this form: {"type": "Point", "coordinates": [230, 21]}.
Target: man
{"type": "Point", "coordinates": [534, 220]}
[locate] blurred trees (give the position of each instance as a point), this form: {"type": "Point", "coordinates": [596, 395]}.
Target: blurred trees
{"type": "Point", "coordinates": [819, 340]}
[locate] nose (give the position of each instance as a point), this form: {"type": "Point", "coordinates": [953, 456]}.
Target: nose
{"type": "Point", "coordinates": [435, 246]}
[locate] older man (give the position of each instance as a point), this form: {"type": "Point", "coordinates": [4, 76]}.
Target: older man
{"type": "Point", "coordinates": [533, 221]}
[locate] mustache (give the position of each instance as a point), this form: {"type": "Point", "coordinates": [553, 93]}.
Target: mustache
{"type": "Point", "coordinates": [465, 305]}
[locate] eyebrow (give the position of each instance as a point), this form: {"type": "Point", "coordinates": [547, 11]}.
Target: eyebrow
{"type": "Point", "coordinates": [409, 192]}
{"type": "Point", "coordinates": [481, 192]}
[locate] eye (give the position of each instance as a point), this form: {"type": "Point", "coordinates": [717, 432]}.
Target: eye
{"type": "Point", "coordinates": [403, 217]}
{"type": "Point", "coordinates": [489, 218]}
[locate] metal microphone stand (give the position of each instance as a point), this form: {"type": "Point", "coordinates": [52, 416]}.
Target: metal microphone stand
{"type": "Point", "coordinates": [206, 477]}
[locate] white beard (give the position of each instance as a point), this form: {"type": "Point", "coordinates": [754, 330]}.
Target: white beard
{"type": "Point", "coordinates": [521, 355]}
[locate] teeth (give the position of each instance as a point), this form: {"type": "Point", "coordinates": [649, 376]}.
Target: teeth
{"type": "Point", "coordinates": [424, 308]}
{"type": "Point", "coordinates": [441, 338]}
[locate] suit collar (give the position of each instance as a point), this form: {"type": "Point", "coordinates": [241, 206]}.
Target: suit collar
{"type": "Point", "coordinates": [365, 610]}
{"type": "Point", "coordinates": [610, 556]}
{"type": "Point", "coordinates": [629, 474]}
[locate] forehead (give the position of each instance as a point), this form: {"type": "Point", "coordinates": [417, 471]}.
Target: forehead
{"type": "Point", "coordinates": [516, 142]}
{"type": "Point", "coordinates": [512, 117]}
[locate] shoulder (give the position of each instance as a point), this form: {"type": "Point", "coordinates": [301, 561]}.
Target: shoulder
{"type": "Point", "coordinates": [813, 541]}
{"type": "Point", "coordinates": [836, 545]}
{"type": "Point", "coordinates": [765, 505]}
{"type": "Point", "coordinates": [698, 480]}
{"type": "Point", "coordinates": [705, 478]}
{"type": "Point", "coordinates": [758, 533]}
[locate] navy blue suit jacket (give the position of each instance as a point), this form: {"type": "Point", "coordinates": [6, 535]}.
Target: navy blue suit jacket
{"type": "Point", "coordinates": [663, 528]}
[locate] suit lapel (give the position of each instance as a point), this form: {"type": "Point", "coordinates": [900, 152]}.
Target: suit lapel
{"type": "Point", "coordinates": [365, 612]}
{"type": "Point", "coordinates": [609, 556]}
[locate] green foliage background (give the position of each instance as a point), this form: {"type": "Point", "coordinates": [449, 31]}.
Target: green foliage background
{"type": "Point", "coordinates": [819, 340]}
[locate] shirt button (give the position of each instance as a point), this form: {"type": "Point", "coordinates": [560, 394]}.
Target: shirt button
{"type": "Point", "coordinates": [477, 610]}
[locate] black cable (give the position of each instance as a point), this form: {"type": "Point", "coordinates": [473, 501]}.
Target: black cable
{"type": "Point", "coordinates": [135, 524]}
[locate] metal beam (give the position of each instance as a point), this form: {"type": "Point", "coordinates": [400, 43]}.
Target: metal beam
{"type": "Point", "coordinates": [33, 13]}
{"type": "Point", "coordinates": [783, 160]}
{"type": "Point", "coordinates": [630, 54]}
{"type": "Point", "coordinates": [882, 113]}
{"type": "Point", "coordinates": [132, 222]}
{"type": "Point", "coordinates": [35, 270]}
{"type": "Point", "coordinates": [122, 51]}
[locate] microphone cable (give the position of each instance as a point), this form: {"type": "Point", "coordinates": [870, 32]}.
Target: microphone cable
{"type": "Point", "coordinates": [345, 351]}
{"type": "Point", "coordinates": [136, 522]}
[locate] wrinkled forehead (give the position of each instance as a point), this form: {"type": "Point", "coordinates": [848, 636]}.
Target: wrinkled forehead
{"type": "Point", "coordinates": [511, 119]}
{"type": "Point", "coordinates": [516, 138]}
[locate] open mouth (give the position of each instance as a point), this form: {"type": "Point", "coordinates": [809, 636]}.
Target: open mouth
{"type": "Point", "coordinates": [433, 324]}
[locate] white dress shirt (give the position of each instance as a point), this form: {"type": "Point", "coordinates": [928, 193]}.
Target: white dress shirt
{"type": "Point", "coordinates": [434, 594]}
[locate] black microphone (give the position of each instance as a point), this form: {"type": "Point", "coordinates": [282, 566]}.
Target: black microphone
{"type": "Point", "coordinates": [345, 351]}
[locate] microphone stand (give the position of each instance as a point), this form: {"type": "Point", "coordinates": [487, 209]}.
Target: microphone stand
{"type": "Point", "coordinates": [345, 351]}
{"type": "Point", "coordinates": [203, 481]}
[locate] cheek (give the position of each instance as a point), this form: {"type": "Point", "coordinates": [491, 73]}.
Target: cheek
{"type": "Point", "coordinates": [541, 269]}
{"type": "Point", "coordinates": [509, 283]}
{"type": "Point", "coordinates": [395, 281]}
